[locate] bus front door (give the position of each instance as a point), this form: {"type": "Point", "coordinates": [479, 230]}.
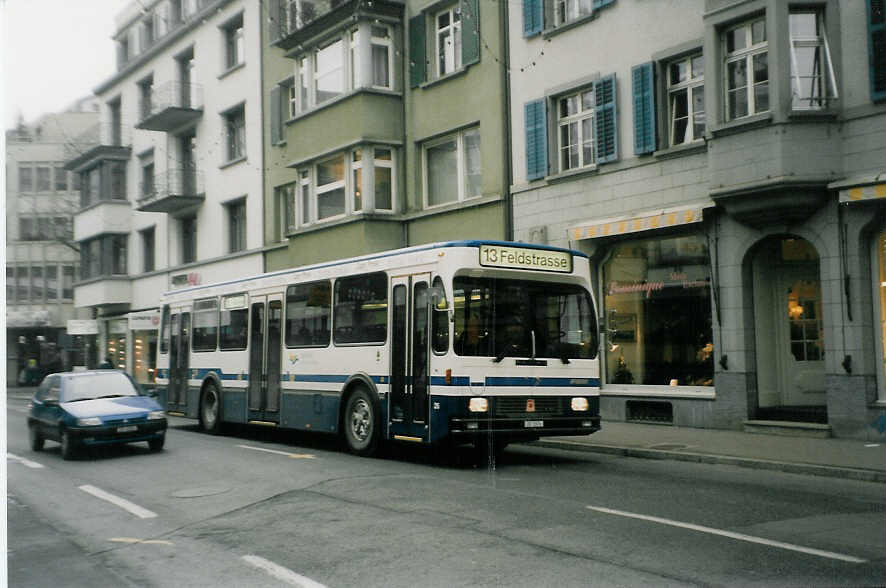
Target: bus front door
{"type": "Point", "coordinates": [179, 355]}
{"type": "Point", "coordinates": [410, 358]}
{"type": "Point", "coordinates": [265, 353]}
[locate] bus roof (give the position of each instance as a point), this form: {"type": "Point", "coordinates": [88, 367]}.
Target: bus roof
{"type": "Point", "coordinates": [380, 255]}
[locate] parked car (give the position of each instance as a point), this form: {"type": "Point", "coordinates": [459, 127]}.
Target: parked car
{"type": "Point", "coordinates": [100, 407]}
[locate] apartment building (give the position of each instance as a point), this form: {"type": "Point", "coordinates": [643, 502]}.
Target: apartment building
{"type": "Point", "coordinates": [171, 195]}
{"type": "Point", "coordinates": [41, 257]}
{"type": "Point", "coordinates": [385, 126]}
{"type": "Point", "coordinates": [722, 162]}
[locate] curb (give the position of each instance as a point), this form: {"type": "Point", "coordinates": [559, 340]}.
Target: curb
{"type": "Point", "coordinates": [861, 474]}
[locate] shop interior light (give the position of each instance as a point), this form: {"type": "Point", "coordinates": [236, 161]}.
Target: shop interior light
{"type": "Point", "coordinates": [478, 405]}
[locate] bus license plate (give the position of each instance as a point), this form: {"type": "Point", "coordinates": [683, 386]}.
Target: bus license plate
{"type": "Point", "coordinates": [127, 429]}
{"type": "Point", "coordinates": [533, 424]}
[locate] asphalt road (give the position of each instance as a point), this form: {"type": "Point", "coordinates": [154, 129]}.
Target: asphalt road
{"type": "Point", "coordinates": [258, 507]}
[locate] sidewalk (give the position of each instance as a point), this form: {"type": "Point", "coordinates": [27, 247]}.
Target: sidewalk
{"type": "Point", "coordinates": [842, 458]}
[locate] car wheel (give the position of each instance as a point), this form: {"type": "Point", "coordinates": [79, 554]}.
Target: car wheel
{"type": "Point", "coordinates": [210, 409]}
{"type": "Point", "coordinates": [361, 423]}
{"type": "Point", "coordinates": [69, 449]}
{"type": "Point", "coordinates": [157, 444]}
{"type": "Point", "coordinates": [36, 438]}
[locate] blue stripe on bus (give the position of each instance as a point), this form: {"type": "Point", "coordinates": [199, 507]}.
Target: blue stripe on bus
{"type": "Point", "coordinates": [544, 382]}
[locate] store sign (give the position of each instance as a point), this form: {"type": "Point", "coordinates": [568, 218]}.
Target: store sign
{"type": "Point", "coordinates": [27, 318]}
{"type": "Point", "coordinates": [185, 280]}
{"type": "Point", "coordinates": [144, 321]}
{"type": "Point", "coordinates": [82, 327]}
{"type": "Point", "coordinates": [522, 258]}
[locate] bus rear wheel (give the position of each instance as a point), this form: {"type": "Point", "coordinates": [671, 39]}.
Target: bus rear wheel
{"type": "Point", "coordinates": [210, 409]}
{"type": "Point", "coordinates": [361, 423]}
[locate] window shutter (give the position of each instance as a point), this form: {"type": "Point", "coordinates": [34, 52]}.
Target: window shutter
{"type": "Point", "coordinates": [607, 128]}
{"type": "Point", "coordinates": [470, 32]}
{"type": "Point", "coordinates": [533, 17]}
{"type": "Point", "coordinates": [644, 108]}
{"type": "Point", "coordinates": [877, 48]}
{"type": "Point", "coordinates": [276, 124]}
{"type": "Point", "coordinates": [417, 48]}
{"type": "Point", "coordinates": [535, 114]}
{"type": "Point", "coordinates": [602, 3]}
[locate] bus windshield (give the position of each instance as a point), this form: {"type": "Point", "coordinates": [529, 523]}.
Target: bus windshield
{"type": "Point", "coordinates": [522, 318]}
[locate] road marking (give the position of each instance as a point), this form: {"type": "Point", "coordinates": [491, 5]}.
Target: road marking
{"type": "Point", "coordinates": [281, 573]}
{"type": "Point", "coordinates": [25, 462]}
{"type": "Point", "coordinates": [144, 541]}
{"type": "Point", "coordinates": [287, 454]}
{"type": "Point", "coordinates": [130, 507]}
{"type": "Point", "coordinates": [730, 534]}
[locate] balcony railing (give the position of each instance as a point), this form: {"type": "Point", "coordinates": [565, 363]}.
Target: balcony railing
{"type": "Point", "coordinates": [298, 14]}
{"type": "Point", "coordinates": [170, 192]}
{"type": "Point", "coordinates": [172, 105]}
{"type": "Point", "coordinates": [103, 141]}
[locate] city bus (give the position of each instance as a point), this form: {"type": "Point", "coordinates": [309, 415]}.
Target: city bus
{"type": "Point", "coordinates": [448, 343]}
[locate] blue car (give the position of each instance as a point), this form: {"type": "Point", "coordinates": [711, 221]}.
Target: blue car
{"type": "Point", "coordinates": [100, 407]}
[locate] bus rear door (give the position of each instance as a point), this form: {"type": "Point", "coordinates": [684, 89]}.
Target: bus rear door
{"type": "Point", "coordinates": [265, 352]}
{"type": "Point", "coordinates": [179, 356]}
{"type": "Point", "coordinates": [410, 354]}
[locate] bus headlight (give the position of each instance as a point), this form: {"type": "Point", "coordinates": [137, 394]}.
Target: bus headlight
{"type": "Point", "coordinates": [478, 405]}
{"type": "Point", "coordinates": [579, 404]}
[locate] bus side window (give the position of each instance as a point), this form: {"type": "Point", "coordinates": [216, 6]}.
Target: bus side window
{"type": "Point", "coordinates": [440, 317]}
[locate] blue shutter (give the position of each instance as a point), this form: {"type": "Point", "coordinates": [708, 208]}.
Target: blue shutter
{"type": "Point", "coordinates": [644, 108]}
{"type": "Point", "coordinates": [877, 48]}
{"type": "Point", "coordinates": [607, 127]}
{"type": "Point", "coordinates": [602, 3]}
{"type": "Point", "coordinates": [535, 115]}
{"type": "Point", "coordinates": [533, 17]}
{"type": "Point", "coordinates": [470, 32]}
{"type": "Point", "coordinates": [417, 49]}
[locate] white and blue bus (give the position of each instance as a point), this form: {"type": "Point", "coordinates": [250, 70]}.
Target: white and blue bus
{"type": "Point", "coordinates": [458, 342]}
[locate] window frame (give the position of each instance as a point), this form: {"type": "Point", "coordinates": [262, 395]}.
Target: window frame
{"type": "Point", "coordinates": [340, 70]}
{"type": "Point", "coordinates": [563, 19]}
{"type": "Point", "coordinates": [687, 86]}
{"type": "Point", "coordinates": [149, 248]}
{"type": "Point", "coordinates": [827, 80]}
{"type": "Point", "coordinates": [195, 311]}
{"type": "Point", "coordinates": [461, 165]}
{"type": "Point", "coordinates": [235, 134]}
{"type": "Point", "coordinates": [188, 254]}
{"type": "Point", "coordinates": [455, 28]}
{"type": "Point", "coordinates": [236, 217]}
{"type": "Point", "coordinates": [234, 42]}
{"type": "Point", "coordinates": [328, 307]}
{"type": "Point", "coordinates": [747, 54]}
{"type": "Point", "coordinates": [577, 118]}
{"type": "Point", "coordinates": [388, 44]}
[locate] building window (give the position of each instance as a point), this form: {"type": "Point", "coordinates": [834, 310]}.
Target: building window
{"type": "Point", "coordinates": [61, 179]}
{"type": "Point", "coordinates": [448, 40]}
{"type": "Point", "coordinates": [23, 283]}
{"type": "Point", "coordinates": [291, 100]}
{"type": "Point", "coordinates": [813, 82]}
{"type": "Point", "coordinates": [51, 275]}
{"type": "Point", "coordinates": [877, 49]}
{"type": "Point", "coordinates": [119, 254]}
{"type": "Point", "coordinates": [686, 99]}
{"type": "Point", "coordinates": [145, 90]}
{"type": "Point", "coordinates": [357, 177]}
{"type": "Point", "coordinates": [188, 233]}
{"type": "Point", "coordinates": [44, 181]}
{"type": "Point", "coordinates": [104, 256]}
{"type": "Point", "coordinates": [284, 199]}
{"type": "Point", "coordinates": [575, 130]}
{"type": "Point", "coordinates": [148, 187]}
{"type": "Point", "coordinates": [237, 226]}
{"type": "Point", "coordinates": [384, 178]}
{"type": "Point", "coordinates": [234, 44]}
{"type": "Point", "coordinates": [235, 134]}
{"type": "Point", "coordinates": [453, 168]}
{"type": "Point", "coordinates": [746, 69]}
{"type": "Point", "coordinates": [330, 187]}
{"type": "Point", "coordinates": [148, 248]}
{"type": "Point", "coordinates": [68, 282]}
{"type": "Point", "coordinates": [302, 83]}
{"type": "Point", "coordinates": [25, 178]}
{"type": "Point", "coordinates": [567, 11]}
{"type": "Point", "coordinates": [381, 48]}
{"type": "Point", "coordinates": [657, 301]}
{"type": "Point", "coordinates": [304, 203]}
{"type": "Point", "coordinates": [27, 230]}
{"type": "Point", "coordinates": [329, 69]}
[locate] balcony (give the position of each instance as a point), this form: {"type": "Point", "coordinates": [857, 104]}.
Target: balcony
{"type": "Point", "coordinates": [172, 106]}
{"type": "Point", "coordinates": [102, 142]}
{"type": "Point", "coordinates": [173, 191]}
{"type": "Point", "coordinates": [299, 20]}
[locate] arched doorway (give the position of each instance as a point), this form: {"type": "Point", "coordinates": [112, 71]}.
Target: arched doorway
{"type": "Point", "coordinates": [789, 331]}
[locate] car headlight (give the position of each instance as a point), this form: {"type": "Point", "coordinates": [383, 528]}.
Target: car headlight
{"type": "Point", "coordinates": [579, 404]}
{"type": "Point", "coordinates": [478, 405]}
{"type": "Point", "coordinates": [156, 415]}
{"type": "Point", "coordinates": [89, 422]}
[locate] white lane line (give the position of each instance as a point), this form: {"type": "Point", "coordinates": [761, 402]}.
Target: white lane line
{"type": "Point", "coordinates": [286, 453]}
{"type": "Point", "coordinates": [25, 462]}
{"type": "Point", "coordinates": [730, 534]}
{"type": "Point", "coordinates": [281, 573]}
{"type": "Point", "coordinates": [130, 507]}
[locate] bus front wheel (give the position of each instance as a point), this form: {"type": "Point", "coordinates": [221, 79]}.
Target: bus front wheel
{"type": "Point", "coordinates": [210, 409]}
{"type": "Point", "coordinates": [361, 423]}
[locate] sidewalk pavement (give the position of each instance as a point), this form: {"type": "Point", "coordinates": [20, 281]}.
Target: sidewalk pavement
{"type": "Point", "coordinates": [841, 458]}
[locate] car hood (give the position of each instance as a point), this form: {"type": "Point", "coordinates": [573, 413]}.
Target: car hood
{"type": "Point", "coordinates": [107, 407]}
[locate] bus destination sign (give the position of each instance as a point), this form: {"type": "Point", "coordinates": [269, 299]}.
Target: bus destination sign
{"type": "Point", "coordinates": [522, 258]}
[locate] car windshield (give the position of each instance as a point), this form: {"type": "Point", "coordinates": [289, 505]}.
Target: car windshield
{"type": "Point", "coordinates": [521, 318]}
{"type": "Point", "coordinates": [96, 385]}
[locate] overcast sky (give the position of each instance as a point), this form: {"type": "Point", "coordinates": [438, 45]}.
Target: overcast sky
{"type": "Point", "coordinates": [54, 52]}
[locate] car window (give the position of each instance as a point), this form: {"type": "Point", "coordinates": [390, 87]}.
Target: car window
{"type": "Point", "coordinates": [97, 385]}
{"type": "Point", "coordinates": [43, 390]}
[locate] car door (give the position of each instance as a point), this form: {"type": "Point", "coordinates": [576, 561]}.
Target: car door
{"type": "Point", "coordinates": [47, 412]}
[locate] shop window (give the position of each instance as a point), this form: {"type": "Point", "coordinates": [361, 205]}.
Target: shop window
{"type": "Point", "coordinates": [657, 304]}
{"type": "Point", "coordinates": [144, 356]}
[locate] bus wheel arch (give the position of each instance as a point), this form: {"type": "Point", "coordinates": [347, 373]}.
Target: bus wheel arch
{"type": "Point", "coordinates": [360, 420]}
{"type": "Point", "coordinates": [210, 412]}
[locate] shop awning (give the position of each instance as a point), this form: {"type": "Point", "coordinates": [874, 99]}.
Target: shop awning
{"type": "Point", "coordinates": [861, 188]}
{"type": "Point", "coordinates": [642, 221]}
